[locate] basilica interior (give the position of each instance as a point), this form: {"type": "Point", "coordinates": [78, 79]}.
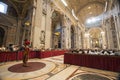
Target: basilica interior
{"type": "Point", "coordinates": [48, 24]}
{"type": "Point", "coordinates": [68, 39]}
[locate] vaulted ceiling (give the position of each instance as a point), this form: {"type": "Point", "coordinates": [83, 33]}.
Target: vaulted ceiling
{"type": "Point", "coordinates": [21, 6]}
{"type": "Point", "coordinates": [82, 8]}
{"type": "Point", "coordinates": [95, 33]}
{"type": "Point", "coordinates": [85, 9]}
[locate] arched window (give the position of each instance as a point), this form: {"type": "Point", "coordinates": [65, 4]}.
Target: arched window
{"type": "Point", "coordinates": [3, 7]}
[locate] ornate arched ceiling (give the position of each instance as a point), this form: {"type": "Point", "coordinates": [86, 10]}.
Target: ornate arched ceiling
{"type": "Point", "coordinates": [95, 32]}
{"type": "Point", "coordinates": [21, 6]}
{"type": "Point", "coordinates": [87, 8]}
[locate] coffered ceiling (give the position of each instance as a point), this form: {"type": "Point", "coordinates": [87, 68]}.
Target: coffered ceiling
{"type": "Point", "coordinates": [85, 9]}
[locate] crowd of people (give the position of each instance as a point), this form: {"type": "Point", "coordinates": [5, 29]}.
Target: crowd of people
{"type": "Point", "coordinates": [11, 47]}
{"type": "Point", "coordinates": [96, 51]}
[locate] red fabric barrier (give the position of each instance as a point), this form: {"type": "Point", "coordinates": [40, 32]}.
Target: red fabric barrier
{"type": "Point", "coordinates": [45, 54]}
{"type": "Point", "coordinates": [3, 57]}
{"type": "Point", "coordinates": [20, 55]}
{"type": "Point", "coordinates": [10, 56]}
{"type": "Point", "coordinates": [7, 56]}
{"type": "Point", "coordinates": [105, 62]}
{"type": "Point", "coordinates": [32, 54]}
{"type": "Point", "coordinates": [38, 54]}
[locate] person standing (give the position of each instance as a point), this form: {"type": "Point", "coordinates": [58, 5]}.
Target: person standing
{"type": "Point", "coordinates": [26, 52]}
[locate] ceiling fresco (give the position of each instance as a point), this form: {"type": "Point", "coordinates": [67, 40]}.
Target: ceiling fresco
{"type": "Point", "coordinates": [85, 9]}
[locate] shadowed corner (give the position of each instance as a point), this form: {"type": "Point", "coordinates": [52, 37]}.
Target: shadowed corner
{"type": "Point", "coordinates": [0, 78]}
{"type": "Point", "coordinates": [118, 77]}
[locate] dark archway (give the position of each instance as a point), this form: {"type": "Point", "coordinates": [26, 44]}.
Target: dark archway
{"type": "Point", "coordinates": [2, 33]}
{"type": "Point", "coordinates": [72, 37]}
{"type": "Point", "coordinates": [56, 29]}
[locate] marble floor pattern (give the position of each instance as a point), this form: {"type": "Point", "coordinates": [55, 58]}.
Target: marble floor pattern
{"type": "Point", "coordinates": [55, 70]}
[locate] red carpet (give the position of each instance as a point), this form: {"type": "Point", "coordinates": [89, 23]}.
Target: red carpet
{"type": "Point", "coordinates": [32, 66]}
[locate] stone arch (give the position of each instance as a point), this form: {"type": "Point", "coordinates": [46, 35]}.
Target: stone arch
{"type": "Point", "coordinates": [56, 29]}
{"type": "Point", "coordinates": [96, 37]}
{"type": "Point", "coordinates": [11, 8]}
{"type": "Point", "coordinates": [95, 28]}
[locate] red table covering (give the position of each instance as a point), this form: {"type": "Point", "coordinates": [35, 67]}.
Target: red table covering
{"type": "Point", "coordinates": [104, 62]}
{"type": "Point", "coordinates": [10, 56]}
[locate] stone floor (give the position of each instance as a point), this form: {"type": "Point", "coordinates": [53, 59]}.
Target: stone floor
{"type": "Point", "coordinates": [53, 69]}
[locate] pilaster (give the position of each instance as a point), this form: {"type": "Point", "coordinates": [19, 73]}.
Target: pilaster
{"type": "Point", "coordinates": [37, 23]}
{"type": "Point", "coordinates": [48, 35]}
{"type": "Point", "coordinates": [17, 41]}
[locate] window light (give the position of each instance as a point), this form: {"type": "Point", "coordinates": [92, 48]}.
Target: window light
{"type": "Point", "coordinates": [64, 2]}
{"type": "Point", "coordinates": [3, 7]}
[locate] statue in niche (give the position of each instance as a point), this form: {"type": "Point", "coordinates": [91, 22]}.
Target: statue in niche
{"type": "Point", "coordinates": [42, 38]}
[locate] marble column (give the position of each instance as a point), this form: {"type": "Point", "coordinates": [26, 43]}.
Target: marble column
{"type": "Point", "coordinates": [118, 23]}
{"type": "Point", "coordinates": [48, 38]}
{"type": "Point", "coordinates": [75, 36]}
{"type": "Point", "coordinates": [37, 24]}
{"type": "Point", "coordinates": [117, 31]}
{"type": "Point", "coordinates": [103, 40]}
{"type": "Point", "coordinates": [23, 35]}
{"type": "Point", "coordinates": [82, 39]}
{"type": "Point", "coordinates": [33, 23]}
{"type": "Point", "coordinates": [69, 36]}
{"type": "Point", "coordinates": [19, 25]}
{"type": "Point", "coordinates": [63, 38]}
{"type": "Point", "coordinates": [78, 38]}
{"type": "Point", "coordinates": [109, 35]}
